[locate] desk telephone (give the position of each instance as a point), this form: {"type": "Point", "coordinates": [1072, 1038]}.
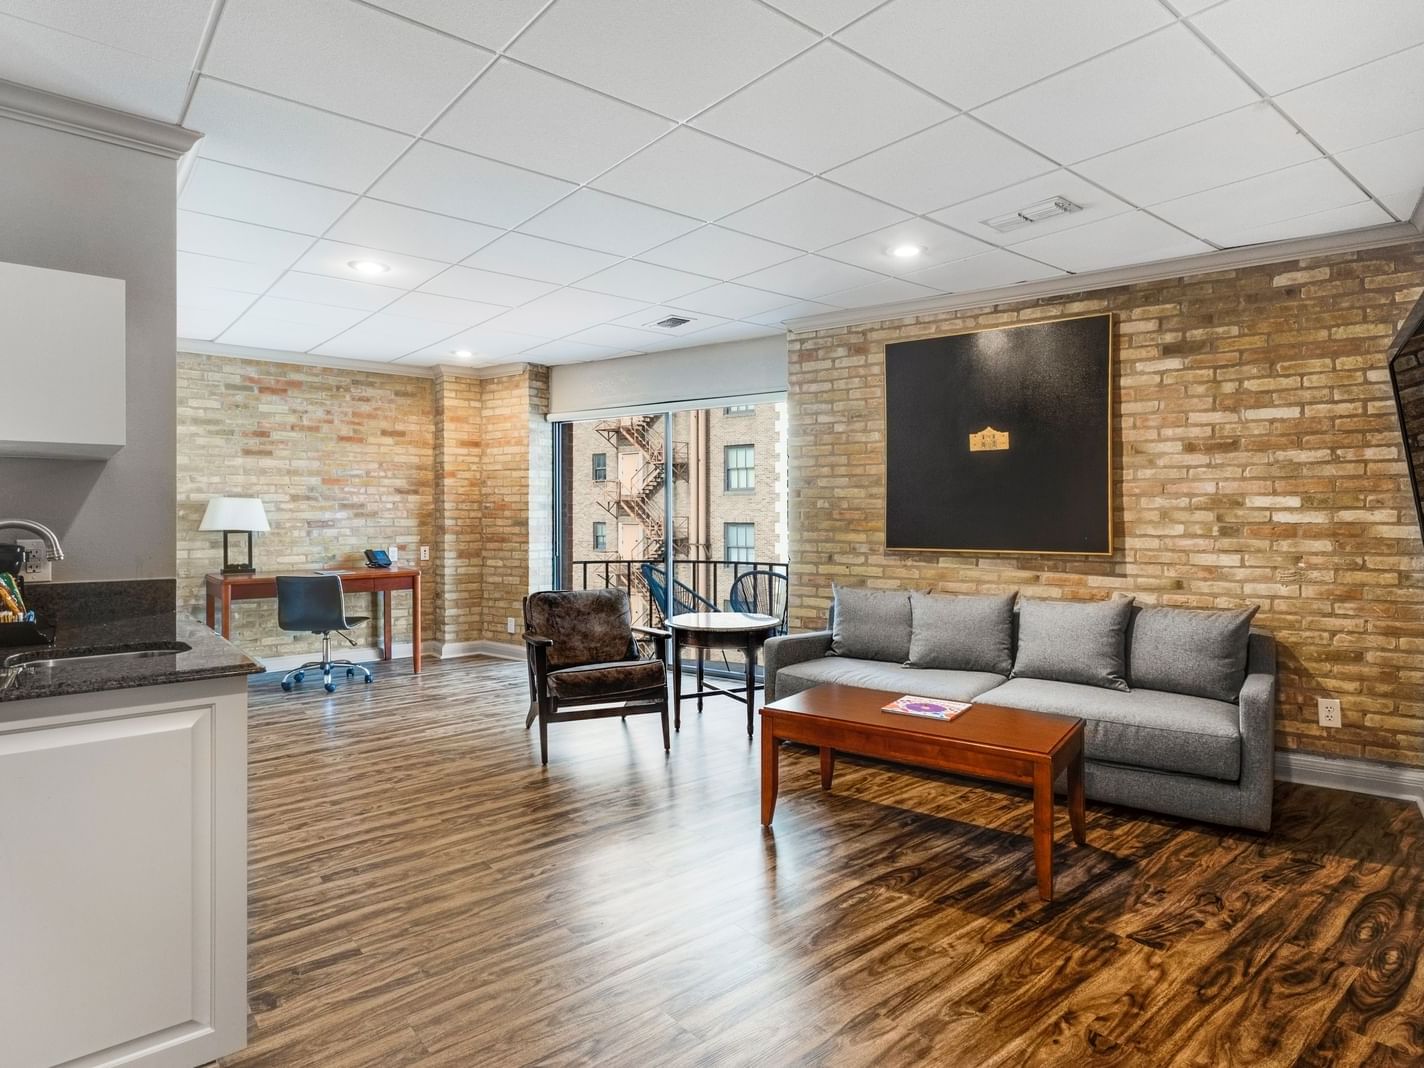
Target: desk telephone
{"type": "Point", "coordinates": [378, 558]}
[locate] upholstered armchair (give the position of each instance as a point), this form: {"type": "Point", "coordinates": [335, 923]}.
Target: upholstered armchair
{"type": "Point", "coordinates": [584, 661]}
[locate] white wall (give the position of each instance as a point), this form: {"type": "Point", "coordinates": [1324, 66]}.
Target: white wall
{"type": "Point", "coordinates": [679, 378]}
{"type": "Point", "coordinates": [73, 203]}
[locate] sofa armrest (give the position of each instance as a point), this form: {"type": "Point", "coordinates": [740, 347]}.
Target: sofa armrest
{"type": "Point", "coordinates": [1257, 705]}
{"type": "Point", "coordinates": [790, 649]}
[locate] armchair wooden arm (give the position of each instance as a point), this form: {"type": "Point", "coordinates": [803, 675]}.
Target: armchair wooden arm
{"type": "Point", "coordinates": [659, 638]}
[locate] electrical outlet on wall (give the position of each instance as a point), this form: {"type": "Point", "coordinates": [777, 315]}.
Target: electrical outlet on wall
{"type": "Point", "coordinates": [1329, 711]}
{"type": "Point", "coordinates": [425, 552]}
{"type": "Point", "coordinates": [509, 624]}
{"type": "Point", "coordinates": [37, 564]}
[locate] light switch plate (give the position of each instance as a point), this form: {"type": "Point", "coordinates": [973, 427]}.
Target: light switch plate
{"type": "Point", "coordinates": [1329, 711]}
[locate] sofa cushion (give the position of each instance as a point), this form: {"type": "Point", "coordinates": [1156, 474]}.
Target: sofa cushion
{"type": "Point", "coordinates": [1144, 728]}
{"type": "Point", "coordinates": [1188, 650]}
{"type": "Point", "coordinates": [878, 675]}
{"type": "Point", "coordinates": [871, 624]}
{"type": "Point", "coordinates": [962, 633]}
{"type": "Point", "coordinates": [615, 682]}
{"type": "Point", "coordinates": [1074, 642]}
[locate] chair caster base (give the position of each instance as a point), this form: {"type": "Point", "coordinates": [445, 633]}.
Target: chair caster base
{"type": "Point", "coordinates": [329, 687]}
{"type": "Point", "coordinates": [287, 686]}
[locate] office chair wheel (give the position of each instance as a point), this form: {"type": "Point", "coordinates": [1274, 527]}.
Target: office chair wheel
{"type": "Point", "coordinates": [350, 672]}
{"type": "Point", "coordinates": [287, 686]}
{"type": "Point", "coordinates": [298, 677]}
{"type": "Point", "coordinates": [330, 687]}
{"type": "Point", "coordinates": [369, 680]}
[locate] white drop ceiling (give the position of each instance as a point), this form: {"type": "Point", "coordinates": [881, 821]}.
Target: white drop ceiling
{"type": "Point", "coordinates": [545, 179]}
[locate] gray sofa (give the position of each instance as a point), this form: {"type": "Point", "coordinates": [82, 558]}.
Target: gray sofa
{"type": "Point", "coordinates": [1146, 746]}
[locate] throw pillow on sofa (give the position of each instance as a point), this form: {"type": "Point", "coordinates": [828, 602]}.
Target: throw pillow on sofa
{"type": "Point", "coordinates": [871, 624]}
{"type": "Point", "coordinates": [962, 633]}
{"type": "Point", "coordinates": [1189, 650]}
{"type": "Point", "coordinates": [1074, 642]}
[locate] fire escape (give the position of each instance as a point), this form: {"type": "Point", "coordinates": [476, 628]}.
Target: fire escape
{"type": "Point", "coordinates": [636, 499]}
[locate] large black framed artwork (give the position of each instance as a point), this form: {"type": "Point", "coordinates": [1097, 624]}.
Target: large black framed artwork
{"type": "Point", "coordinates": [1000, 440]}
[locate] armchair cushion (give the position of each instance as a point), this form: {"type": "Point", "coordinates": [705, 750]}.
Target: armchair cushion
{"type": "Point", "coordinates": [614, 681]}
{"type": "Point", "coordinates": [586, 626]}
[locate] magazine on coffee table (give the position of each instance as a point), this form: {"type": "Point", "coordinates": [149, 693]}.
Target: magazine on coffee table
{"type": "Point", "coordinates": [926, 707]}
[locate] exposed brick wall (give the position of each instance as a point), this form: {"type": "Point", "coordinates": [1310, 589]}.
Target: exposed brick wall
{"type": "Point", "coordinates": [341, 459]}
{"type": "Point", "coordinates": [1257, 460]}
{"type": "Point", "coordinates": [457, 557]}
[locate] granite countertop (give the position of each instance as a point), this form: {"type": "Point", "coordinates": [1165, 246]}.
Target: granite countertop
{"type": "Point", "coordinates": [209, 656]}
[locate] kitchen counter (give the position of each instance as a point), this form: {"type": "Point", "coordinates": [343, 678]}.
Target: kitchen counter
{"type": "Point", "coordinates": [209, 656]}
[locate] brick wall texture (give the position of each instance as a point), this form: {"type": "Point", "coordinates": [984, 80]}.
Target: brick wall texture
{"type": "Point", "coordinates": [1258, 460]}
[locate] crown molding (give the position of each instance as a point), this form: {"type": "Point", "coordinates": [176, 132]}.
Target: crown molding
{"type": "Point", "coordinates": [1203, 263]}
{"type": "Point", "coordinates": [341, 363]}
{"type": "Point", "coordinates": [55, 112]}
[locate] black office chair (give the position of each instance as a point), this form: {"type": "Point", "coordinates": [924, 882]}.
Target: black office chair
{"type": "Point", "coordinates": [315, 603]}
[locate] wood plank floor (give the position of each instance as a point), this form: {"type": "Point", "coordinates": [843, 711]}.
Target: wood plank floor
{"type": "Point", "coordinates": [424, 893]}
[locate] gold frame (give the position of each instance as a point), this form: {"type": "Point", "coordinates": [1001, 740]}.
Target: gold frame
{"type": "Point", "coordinates": [885, 462]}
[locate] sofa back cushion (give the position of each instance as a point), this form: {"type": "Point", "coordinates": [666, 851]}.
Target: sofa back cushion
{"type": "Point", "coordinates": [1189, 650]}
{"type": "Point", "coordinates": [871, 624]}
{"type": "Point", "coordinates": [1073, 642]}
{"type": "Point", "coordinates": [962, 633]}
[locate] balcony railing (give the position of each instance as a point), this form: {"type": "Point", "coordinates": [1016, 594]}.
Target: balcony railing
{"type": "Point", "coordinates": [698, 585]}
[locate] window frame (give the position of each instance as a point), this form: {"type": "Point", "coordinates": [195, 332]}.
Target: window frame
{"type": "Point", "coordinates": [599, 460]}
{"type": "Point", "coordinates": [600, 533]}
{"type": "Point", "coordinates": [728, 468]}
{"type": "Point", "coordinates": [728, 547]}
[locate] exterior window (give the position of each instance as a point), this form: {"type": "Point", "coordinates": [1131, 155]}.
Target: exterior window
{"type": "Point", "coordinates": [739, 541]}
{"type": "Point", "coordinates": [600, 537]}
{"type": "Point", "coordinates": [739, 409]}
{"type": "Point", "coordinates": [739, 463]}
{"type": "Point", "coordinates": [600, 467]}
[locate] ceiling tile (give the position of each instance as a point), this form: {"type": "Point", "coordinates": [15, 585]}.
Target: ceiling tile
{"type": "Point", "coordinates": [618, 338]}
{"type": "Point", "coordinates": [384, 337]}
{"type": "Point", "coordinates": [646, 318]}
{"type": "Point", "coordinates": [534, 257]}
{"type": "Point", "coordinates": [343, 57]}
{"type": "Point", "coordinates": [812, 215]}
{"type": "Point", "coordinates": [341, 292]}
{"type": "Point", "coordinates": [1115, 242]}
{"type": "Point", "coordinates": [1334, 220]}
{"type": "Point", "coordinates": [334, 258]}
{"type": "Point", "coordinates": [203, 324]}
{"type": "Point", "coordinates": [1281, 44]}
{"type": "Point", "coordinates": [170, 30]}
{"type": "Point", "coordinates": [225, 238]}
{"type": "Point", "coordinates": [460, 314]}
{"type": "Point", "coordinates": [330, 318]}
{"type": "Point", "coordinates": [377, 224]}
{"type": "Point", "coordinates": [1390, 169]}
{"type": "Point", "coordinates": [531, 119]}
{"type": "Point", "coordinates": [945, 164]}
{"type": "Point", "coordinates": [58, 62]}
{"type": "Point", "coordinates": [442, 179]}
{"type": "Point", "coordinates": [823, 108]}
{"type": "Point", "coordinates": [796, 310]}
{"type": "Point", "coordinates": [280, 137]}
{"type": "Point", "coordinates": [643, 281]}
{"type": "Point", "coordinates": [872, 251]}
{"type": "Point", "coordinates": [566, 351]}
{"type": "Point", "coordinates": [197, 270]}
{"type": "Point", "coordinates": [1240, 144]}
{"type": "Point", "coordinates": [715, 335]}
{"type": "Point", "coordinates": [492, 23]}
{"type": "Point", "coordinates": [1370, 103]}
{"type": "Point", "coordinates": [210, 298]}
{"type": "Point", "coordinates": [809, 277]}
{"type": "Point", "coordinates": [674, 57]}
{"type": "Point", "coordinates": [215, 188]}
{"type": "Point", "coordinates": [695, 174]}
{"type": "Point", "coordinates": [489, 287]}
{"type": "Point", "coordinates": [718, 253]}
{"type": "Point", "coordinates": [971, 51]}
{"type": "Point", "coordinates": [600, 221]}
{"type": "Point", "coordinates": [1404, 203]}
{"type": "Point", "coordinates": [989, 270]}
{"type": "Point", "coordinates": [262, 332]}
{"type": "Point", "coordinates": [825, 15]}
{"type": "Point", "coordinates": [1174, 80]}
{"type": "Point", "coordinates": [732, 300]}
{"type": "Point", "coordinates": [483, 342]}
{"type": "Point", "coordinates": [1221, 214]}
{"type": "Point", "coordinates": [885, 291]}
{"type": "Point", "coordinates": [563, 312]}
{"type": "Point", "coordinates": [1094, 202]}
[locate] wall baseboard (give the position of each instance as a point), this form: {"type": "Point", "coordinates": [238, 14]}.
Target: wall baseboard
{"type": "Point", "coordinates": [366, 654]}
{"type": "Point", "coordinates": [1357, 776]}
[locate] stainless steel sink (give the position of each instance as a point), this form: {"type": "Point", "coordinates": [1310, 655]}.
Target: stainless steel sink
{"type": "Point", "coordinates": [91, 657]}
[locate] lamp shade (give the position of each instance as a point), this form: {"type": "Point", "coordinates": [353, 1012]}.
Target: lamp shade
{"type": "Point", "coordinates": [235, 513]}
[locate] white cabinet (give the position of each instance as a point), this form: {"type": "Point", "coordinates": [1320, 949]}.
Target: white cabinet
{"type": "Point", "coordinates": [123, 877]}
{"type": "Point", "coordinates": [62, 351]}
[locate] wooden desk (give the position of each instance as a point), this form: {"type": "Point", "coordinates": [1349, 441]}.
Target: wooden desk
{"type": "Point", "coordinates": [224, 589]}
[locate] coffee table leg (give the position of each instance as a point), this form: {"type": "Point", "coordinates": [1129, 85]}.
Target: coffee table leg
{"type": "Point", "coordinates": [1043, 828]}
{"type": "Point", "coordinates": [1075, 798]}
{"type": "Point", "coordinates": [676, 682]}
{"type": "Point", "coordinates": [828, 766]}
{"type": "Point", "coordinates": [770, 754]}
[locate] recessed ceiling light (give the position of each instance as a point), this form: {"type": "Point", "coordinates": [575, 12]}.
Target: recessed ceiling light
{"type": "Point", "coordinates": [464, 354]}
{"type": "Point", "coordinates": [367, 266]}
{"type": "Point", "coordinates": [907, 252]}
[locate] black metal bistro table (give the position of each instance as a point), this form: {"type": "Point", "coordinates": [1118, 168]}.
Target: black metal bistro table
{"type": "Point", "coordinates": [712, 632]}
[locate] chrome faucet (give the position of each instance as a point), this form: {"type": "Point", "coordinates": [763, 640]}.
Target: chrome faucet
{"type": "Point", "coordinates": [52, 549]}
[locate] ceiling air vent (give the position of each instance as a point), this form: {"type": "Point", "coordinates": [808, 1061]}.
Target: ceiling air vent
{"type": "Point", "coordinates": [1044, 209]}
{"type": "Point", "coordinates": [672, 322]}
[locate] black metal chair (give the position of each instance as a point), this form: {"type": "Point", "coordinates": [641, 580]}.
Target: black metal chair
{"type": "Point", "coordinates": [761, 592]}
{"type": "Point", "coordinates": [315, 603]}
{"type": "Point", "coordinates": [584, 662]}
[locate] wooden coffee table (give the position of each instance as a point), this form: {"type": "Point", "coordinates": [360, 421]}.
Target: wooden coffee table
{"type": "Point", "coordinates": [986, 741]}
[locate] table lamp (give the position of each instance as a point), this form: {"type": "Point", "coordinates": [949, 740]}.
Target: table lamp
{"type": "Point", "coordinates": [235, 515]}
